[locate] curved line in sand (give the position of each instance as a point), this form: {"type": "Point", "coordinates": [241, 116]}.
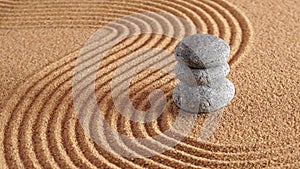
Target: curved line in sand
{"type": "Point", "coordinates": [66, 120]}
{"type": "Point", "coordinates": [80, 86]}
{"type": "Point", "coordinates": [222, 8]}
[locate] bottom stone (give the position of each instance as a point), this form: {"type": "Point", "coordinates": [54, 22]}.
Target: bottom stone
{"type": "Point", "coordinates": [205, 98]}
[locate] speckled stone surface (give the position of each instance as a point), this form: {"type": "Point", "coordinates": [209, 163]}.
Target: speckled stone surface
{"type": "Point", "coordinates": [202, 69]}
{"type": "Point", "coordinates": [210, 97]}
{"type": "Point", "coordinates": [202, 51]}
{"type": "Point", "coordinates": [201, 76]}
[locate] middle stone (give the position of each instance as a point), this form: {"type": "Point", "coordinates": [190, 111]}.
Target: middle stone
{"type": "Point", "coordinates": [196, 77]}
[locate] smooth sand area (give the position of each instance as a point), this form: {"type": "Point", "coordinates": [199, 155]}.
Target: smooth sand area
{"type": "Point", "coordinates": [39, 44]}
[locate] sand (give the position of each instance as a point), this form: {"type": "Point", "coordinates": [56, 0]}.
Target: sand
{"type": "Point", "coordinates": [39, 44]}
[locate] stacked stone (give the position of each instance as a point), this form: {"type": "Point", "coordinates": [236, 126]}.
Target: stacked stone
{"type": "Point", "coordinates": [202, 69]}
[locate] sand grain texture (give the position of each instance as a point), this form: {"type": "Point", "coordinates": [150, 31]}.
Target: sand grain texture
{"type": "Point", "coordinates": [39, 44]}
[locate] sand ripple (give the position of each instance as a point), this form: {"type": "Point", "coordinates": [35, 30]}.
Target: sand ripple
{"type": "Point", "coordinates": [41, 129]}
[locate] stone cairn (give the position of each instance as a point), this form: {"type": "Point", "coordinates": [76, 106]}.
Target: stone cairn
{"type": "Point", "coordinates": [202, 69]}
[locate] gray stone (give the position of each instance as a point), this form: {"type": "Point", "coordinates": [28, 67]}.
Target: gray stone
{"type": "Point", "coordinates": [205, 98]}
{"type": "Point", "coordinates": [202, 51]}
{"type": "Point", "coordinates": [200, 76]}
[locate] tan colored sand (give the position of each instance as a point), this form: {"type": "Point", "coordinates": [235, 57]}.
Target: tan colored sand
{"type": "Point", "coordinates": [39, 43]}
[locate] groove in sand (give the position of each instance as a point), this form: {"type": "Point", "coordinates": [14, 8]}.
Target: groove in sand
{"type": "Point", "coordinates": [50, 135]}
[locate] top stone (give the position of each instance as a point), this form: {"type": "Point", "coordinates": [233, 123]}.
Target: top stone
{"type": "Point", "coordinates": [202, 51]}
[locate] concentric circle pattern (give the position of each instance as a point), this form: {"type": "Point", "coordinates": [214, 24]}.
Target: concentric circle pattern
{"type": "Point", "coordinates": [41, 129]}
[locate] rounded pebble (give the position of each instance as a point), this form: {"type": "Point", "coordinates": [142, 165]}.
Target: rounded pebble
{"type": "Point", "coordinates": [207, 98]}
{"type": "Point", "coordinates": [202, 51]}
{"type": "Point", "coordinates": [201, 76]}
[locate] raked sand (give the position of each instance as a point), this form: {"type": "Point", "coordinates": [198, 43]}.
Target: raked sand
{"type": "Point", "coordinates": [39, 45]}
